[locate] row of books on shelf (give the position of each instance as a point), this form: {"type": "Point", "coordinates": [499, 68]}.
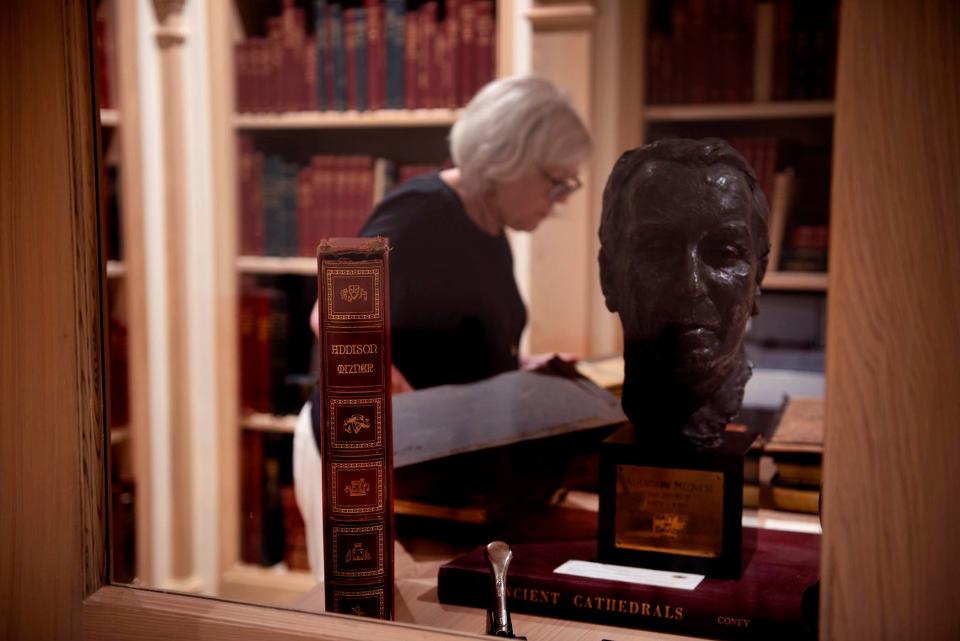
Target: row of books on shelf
{"type": "Point", "coordinates": [287, 207]}
{"type": "Point", "coordinates": [794, 246]}
{"type": "Point", "coordinates": [703, 51]}
{"type": "Point", "coordinates": [272, 529]}
{"type": "Point", "coordinates": [381, 55]}
{"type": "Point", "coordinates": [276, 348]}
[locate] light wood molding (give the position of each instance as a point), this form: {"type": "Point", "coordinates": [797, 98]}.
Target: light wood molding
{"type": "Point", "coordinates": [891, 474]}
{"type": "Point", "coordinates": [560, 279]}
{"type": "Point", "coordinates": [380, 119]}
{"type": "Point", "coordinates": [171, 37]}
{"type": "Point", "coordinates": [740, 111]}
{"type": "Point", "coordinates": [796, 281]}
{"type": "Point", "coordinates": [135, 275]}
{"type": "Point", "coordinates": [53, 444]}
{"type": "Point", "coordinates": [277, 265]}
{"type": "Point", "coordinates": [567, 15]}
{"type": "Point", "coordinates": [220, 22]}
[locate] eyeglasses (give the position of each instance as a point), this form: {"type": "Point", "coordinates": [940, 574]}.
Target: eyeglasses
{"type": "Point", "coordinates": [561, 187]}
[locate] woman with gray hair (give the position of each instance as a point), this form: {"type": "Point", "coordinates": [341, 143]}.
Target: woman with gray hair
{"type": "Point", "coordinates": [456, 313]}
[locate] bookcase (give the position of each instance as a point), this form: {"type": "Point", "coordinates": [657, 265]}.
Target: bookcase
{"type": "Point", "coordinates": [759, 74]}
{"type": "Point", "coordinates": [327, 105]}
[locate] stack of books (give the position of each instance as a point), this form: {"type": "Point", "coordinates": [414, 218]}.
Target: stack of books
{"type": "Point", "coordinates": [797, 452]}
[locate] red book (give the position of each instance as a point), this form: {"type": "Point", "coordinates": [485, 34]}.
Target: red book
{"type": "Point", "coordinates": [468, 48]}
{"type": "Point", "coordinates": [350, 54]}
{"type": "Point", "coordinates": [357, 439]}
{"type": "Point", "coordinates": [485, 51]}
{"type": "Point", "coordinates": [451, 26]}
{"type": "Point", "coordinates": [783, 17]}
{"type": "Point", "coordinates": [763, 604]}
{"type": "Point", "coordinates": [306, 197]}
{"type": "Point", "coordinates": [251, 497]}
{"type": "Point", "coordinates": [411, 45]}
{"type": "Point", "coordinates": [426, 85]}
{"type": "Point", "coordinates": [324, 212]}
{"type": "Point", "coordinates": [256, 308]}
{"type": "Point", "coordinates": [310, 99]}
{"type": "Point", "coordinates": [376, 55]}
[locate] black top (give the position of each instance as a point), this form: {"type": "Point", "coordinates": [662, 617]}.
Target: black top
{"type": "Point", "coordinates": [455, 312]}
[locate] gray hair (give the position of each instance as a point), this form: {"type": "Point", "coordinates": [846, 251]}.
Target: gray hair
{"type": "Point", "coordinates": [511, 127]}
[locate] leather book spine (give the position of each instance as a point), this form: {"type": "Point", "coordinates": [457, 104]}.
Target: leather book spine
{"type": "Point", "coordinates": [357, 438]}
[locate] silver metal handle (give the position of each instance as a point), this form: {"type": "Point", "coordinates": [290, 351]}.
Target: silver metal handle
{"type": "Point", "coordinates": [498, 617]}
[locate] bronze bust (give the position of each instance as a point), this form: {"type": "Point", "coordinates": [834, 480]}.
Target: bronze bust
{"type": "Point", "coordinates": [683, 250]}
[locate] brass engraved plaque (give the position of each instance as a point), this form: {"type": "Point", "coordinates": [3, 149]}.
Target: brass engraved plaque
{"type": "Point", "coordinates": [674, 511]}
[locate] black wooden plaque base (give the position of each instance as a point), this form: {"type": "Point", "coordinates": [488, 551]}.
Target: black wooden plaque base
{"type": "Point", "coordinates": [672, 508]}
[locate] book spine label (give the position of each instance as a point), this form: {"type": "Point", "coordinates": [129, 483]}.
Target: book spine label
{"type": "Point", "coordinates": [357, 443]}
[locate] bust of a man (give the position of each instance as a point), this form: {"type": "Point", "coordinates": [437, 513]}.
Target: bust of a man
{"type": "Point", "coordinates": [683, 250]}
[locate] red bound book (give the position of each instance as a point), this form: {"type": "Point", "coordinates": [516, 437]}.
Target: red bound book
{"type": "Point", "coordinates": [411, 46]}
{"type": "Point", "coordinates": [250, 214]}
{"type": "Point", "coordinates": [350, 54]}
{"type": "Point", "coordinates": [306, 239]}
{"type": "Point", "coordinates": [251, 498]}
{"type": "Point", "coordinates": [256, 308]}
{"type": "Point", "coordinates": [376, 55]}
{"type": "Point", "coordinates": [357, 438]}
{"type": "Point", "coordinates": [255, 76]}
{"type": "Point", "coordinates": [485, 51]}
{"type": "Point", "coordinates": [451, 26]}
{"type": "Point", "coordinates": [338, 195]}
{"type": "Point", "coordinates": [783, 16]}
{"type": "Point", "coordinates": [468, 51]}
{"type": "Point", "coordinates": [276, 77]}
{"type": "Point", "coordinates": [763, 604]}
{"type": "Point", "coordinates": [364, 192]}
{"type": "Point", "coordinates": [426, 83]}
{"type": "Point", "coordinates": [323, 175]}
{"type": "Point", "coordinates": [696, 73]}
{"type": "Point", "coordinates": [310, 100]}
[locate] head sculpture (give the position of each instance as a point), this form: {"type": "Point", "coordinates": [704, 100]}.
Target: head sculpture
{"type": "Point", "coordinates": [683, 250]}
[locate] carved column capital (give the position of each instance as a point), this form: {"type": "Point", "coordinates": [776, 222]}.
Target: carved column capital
{"type": "Point", "coordinates": [170, 30]}
{"type": "Point", "coordinates": [168, 8]}
{"type": "Point", "coordinates": [562, 15]}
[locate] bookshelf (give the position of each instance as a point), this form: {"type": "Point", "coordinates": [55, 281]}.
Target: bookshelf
{"type": "Point", "coordinates": [387, 118]}
{"type": "Point", "coordinates": [739, 111]}
{"type": "Point", "coordinates": [308, 140]}
{"type": "Point", "coordinates": [781, 118]}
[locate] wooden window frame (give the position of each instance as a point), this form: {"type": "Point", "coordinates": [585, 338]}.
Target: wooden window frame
{"type": "Point", "coordinates": [53, 442]}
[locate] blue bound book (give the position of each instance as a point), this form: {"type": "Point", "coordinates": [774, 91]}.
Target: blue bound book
{"type": "Point", "coordinates": [289, 229]}
{"type": "Point", "coordinates": [339, 58]}
{"type": "Point", "coordinates": [272, 205]}
{"type": "Point", "coordinates": [395, 53]}
{"type": "Point", "coordinates": [360, 70]}
{"type": "Point", "coordinates": [320, 42]}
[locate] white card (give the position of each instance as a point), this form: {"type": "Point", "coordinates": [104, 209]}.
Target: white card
{"type": "Point", "coordinates": [643, 576]}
